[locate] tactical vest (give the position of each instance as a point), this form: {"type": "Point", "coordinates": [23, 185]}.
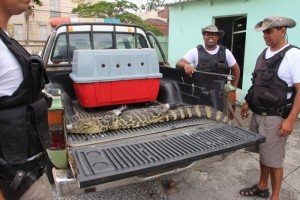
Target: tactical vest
{"type": "Point", "coordinates": [24, 127]}
{"type": "Point", "coordinates": [212, 63]}
{"type": "Point", "coordinates": [270, 91]}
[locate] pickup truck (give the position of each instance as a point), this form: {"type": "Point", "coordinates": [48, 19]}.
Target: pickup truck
{"type": "Point", "coordinates": [92, 162]}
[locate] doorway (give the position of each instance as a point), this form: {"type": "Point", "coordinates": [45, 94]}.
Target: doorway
{"type": "Point", "coordinates": [235, 38]}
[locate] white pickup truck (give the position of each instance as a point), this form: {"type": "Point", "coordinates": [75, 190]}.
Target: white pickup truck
{"type": "Point", "coordinates": [130, 68]}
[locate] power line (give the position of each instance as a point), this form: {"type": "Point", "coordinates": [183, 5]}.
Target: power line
{"type": "Point", "coordinates": [53, 11]}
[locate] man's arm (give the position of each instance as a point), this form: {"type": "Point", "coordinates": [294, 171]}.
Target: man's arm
{"type": "Point", "coordinates": [235, 69]}
{"type": "Point", "coordinates": [288, 124]}
{"type": "Point", "coordinates": [184, 64]}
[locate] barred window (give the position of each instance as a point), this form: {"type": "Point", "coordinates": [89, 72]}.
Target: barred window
{"type": "Point", "coordinates": [18, 32]}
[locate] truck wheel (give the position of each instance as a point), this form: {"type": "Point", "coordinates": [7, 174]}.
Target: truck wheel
{"type": "Point", "coordinates": [49, 172]}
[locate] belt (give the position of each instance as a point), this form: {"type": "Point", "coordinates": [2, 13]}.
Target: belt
{"type": "Point", "coordinates": [20, 177]}
{"type": "Point", "coordinates": [267, 111]}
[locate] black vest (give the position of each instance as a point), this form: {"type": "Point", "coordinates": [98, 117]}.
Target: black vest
{"type": "Point", "coordinates": [24, 129]}
{"type": "Point", "coordinates": [269, 91]}
{"type": "Point", "coordinates": [212, 63]}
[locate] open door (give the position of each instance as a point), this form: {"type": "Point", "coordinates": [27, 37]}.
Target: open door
{"type": "Point", "coordinates": [235, 38]}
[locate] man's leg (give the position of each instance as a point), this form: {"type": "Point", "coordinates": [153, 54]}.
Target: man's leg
{"type": "Point", "coordinates": [40, 189]}
{"type": "Point", "coordinates": [264, 177]}
{"type": "Point", "coordinates": [276, 175]}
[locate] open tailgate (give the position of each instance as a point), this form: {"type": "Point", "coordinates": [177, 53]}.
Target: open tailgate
{"type": "Point", "coordinates": [118, 159]}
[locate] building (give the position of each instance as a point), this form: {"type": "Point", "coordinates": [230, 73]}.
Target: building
{"type": "Point", "coordinates": [237, 18]}
{"type": "Point", "coordinates": [158, 19]}
{"type": "Point", "coordinates": [38, 25]}
{"type": "Point", "coordinates": [160, 24]}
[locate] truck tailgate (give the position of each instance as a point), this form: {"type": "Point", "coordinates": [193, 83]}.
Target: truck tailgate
{"type": "Point", "coordinates": [118, 159]}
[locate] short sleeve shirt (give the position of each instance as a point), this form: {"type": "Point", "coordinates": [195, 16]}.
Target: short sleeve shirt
{"type": "Point", "coordinates": [192, 56]}
{"type": "Point", "coordinates": [10, 71]}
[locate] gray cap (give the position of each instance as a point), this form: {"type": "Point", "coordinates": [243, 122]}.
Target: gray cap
{"type": "Point", "coordinates": [213, 29]}
{"type": "Point", "coordinates": [273, 22]}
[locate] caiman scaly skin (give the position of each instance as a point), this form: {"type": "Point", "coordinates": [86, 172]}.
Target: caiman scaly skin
{"type": "Point", "coordinates": [125, 119]}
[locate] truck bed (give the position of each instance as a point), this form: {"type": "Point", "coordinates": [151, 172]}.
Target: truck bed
{"type": "Point", "coordinates": [113, 155]}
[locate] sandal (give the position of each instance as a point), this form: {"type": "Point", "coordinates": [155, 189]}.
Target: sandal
{"type": "Point", "coordinates": [255, 191]}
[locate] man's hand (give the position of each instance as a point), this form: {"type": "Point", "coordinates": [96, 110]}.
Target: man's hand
{"type": "Point", "coordinates": [184, 64]}
{"type": "Point", "coordinates": [244, 111]}
{"type": "Point", "coordinates": [189, 70]}
{"type": "Point", "coordinates": [286, 127]}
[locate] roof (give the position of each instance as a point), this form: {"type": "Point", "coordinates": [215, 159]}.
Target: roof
{"type": "Point", "coordinates": [177, 2]}
{"type": "Point", "coordinates": [156, 21]}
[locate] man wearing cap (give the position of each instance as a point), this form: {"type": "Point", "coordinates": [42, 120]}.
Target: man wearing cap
{"type": "Point", "coordinates": [274, 99]}
{"type": "Point", "coordinates": [211, 57]}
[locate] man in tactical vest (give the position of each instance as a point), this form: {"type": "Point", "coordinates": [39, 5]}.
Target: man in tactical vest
{"type": "Point", "coordinates": [24, 132]}
{"type": "Point", "coordinates": [274, 99]}
{"type": "Point", "coordinates": [211, 57]}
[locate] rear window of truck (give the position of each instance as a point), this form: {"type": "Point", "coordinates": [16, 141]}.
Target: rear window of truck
{"type": "Point", "coordinates": [80, 41]}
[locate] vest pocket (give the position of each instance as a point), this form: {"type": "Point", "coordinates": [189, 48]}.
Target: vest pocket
{"type": "Point", "coordinates": [40, 112]}
{"type": "Point", "coordinates": [267, 78]}
{"type": "Point", "coordinates": [205, 67]}
{"type": "Point", "coordinates": [13, 137]}
{"type": "Point", "coordinates": [269, 97]}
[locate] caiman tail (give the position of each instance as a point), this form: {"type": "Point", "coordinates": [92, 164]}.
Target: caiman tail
{"type": "Point", "coordinates": [200, 111]}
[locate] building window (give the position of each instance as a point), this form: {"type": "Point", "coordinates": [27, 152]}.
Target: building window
{"type": "Point", "coordinates": [55, 8]}
{"type": "Point", "coordinates": [18, 31]}
{"type": "Point", "coordinates": [43, 32]}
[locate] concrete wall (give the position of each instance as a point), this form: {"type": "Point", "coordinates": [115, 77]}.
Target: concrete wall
{"type": "Point", "coordinates": [187, 19]}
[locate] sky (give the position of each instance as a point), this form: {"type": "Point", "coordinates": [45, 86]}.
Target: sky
{"type": "Point", "coordinates": [140, 2]}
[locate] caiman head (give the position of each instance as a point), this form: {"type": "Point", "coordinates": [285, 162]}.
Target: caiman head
{"type": "Point", "coordinates": [95, 125]}
{"type": "Point", "coordinates": [90, 126]}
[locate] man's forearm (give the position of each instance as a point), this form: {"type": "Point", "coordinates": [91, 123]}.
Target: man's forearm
{"type": "Point", "coordinates": [180, 64]}
{"type": "Point", "coordinates": [296, 105]}
{"type": "Point", "coordinates": [236, 74]}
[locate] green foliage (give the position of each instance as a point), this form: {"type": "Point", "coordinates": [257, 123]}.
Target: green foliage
{"type": "Point", "coordinates": [37, 2]}
{"type": "Point", "coordinates": [153, 5]}
{"type": "Point", "coordinates": [101, 9]}
{"type": "Point", "coordinates": [117, 9]}
{"type": "Point", "coordinates": [104, 9]}
{"type": "Point", "coordinates": [130, 18]}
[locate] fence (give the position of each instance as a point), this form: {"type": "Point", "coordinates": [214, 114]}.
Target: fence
{"type": "Point", "coordinates": [34, 47]}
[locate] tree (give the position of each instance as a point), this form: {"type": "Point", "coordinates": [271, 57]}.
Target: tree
{"type": "Point", "coordinates": [37, 2]}
{"type": "Point", "coordinates": [153, 5]}
{"type": "Point", "coordinates": [117, 9]}
{"type": "Point", "coordinates": [104, 9]}
{"type": "Point", "coordinates": [133, 19]}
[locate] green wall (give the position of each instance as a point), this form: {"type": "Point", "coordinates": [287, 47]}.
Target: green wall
{"type": "Point", "coordinates": [187, 19]}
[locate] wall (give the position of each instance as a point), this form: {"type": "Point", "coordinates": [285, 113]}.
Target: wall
{"type": "Point", "coordinates": [187, 19]}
